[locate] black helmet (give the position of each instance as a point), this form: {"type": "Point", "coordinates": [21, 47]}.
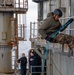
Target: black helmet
{"type": "Point", "coordinates": [58, 12]}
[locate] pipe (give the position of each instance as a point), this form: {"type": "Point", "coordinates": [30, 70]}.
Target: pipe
{"type": "Point", "coordinates": [49, 5]}
{"type": "Point", "coordinates": [59, 3]}
{"type": "Point", "coordinates": [70, 13]}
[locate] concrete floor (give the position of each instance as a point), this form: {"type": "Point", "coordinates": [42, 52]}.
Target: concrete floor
{"type": "Point", "coordinates": [6, 74]}
{"type": "Point", "coordinates": [18, 73]}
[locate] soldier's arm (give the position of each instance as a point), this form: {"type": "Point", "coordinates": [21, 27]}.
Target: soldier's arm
{"type": "Point", "coordinates": [19, 60]}
{"type": "Point", "coordinates": [45, 25]}
{"type": "Point", "coordinates": [26, 60]}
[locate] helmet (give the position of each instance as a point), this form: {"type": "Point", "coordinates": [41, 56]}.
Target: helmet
{"type": "Point", "coordinates": [58, 12]}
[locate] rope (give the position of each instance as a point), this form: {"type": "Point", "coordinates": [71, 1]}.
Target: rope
{"type": "Point", "coordinates": [46, 54]}
{"type": "Point", "coordinates": [48, 42]}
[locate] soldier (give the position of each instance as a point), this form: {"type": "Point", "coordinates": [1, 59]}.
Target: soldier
{"type": "Point", "coordinates": [51, 25]}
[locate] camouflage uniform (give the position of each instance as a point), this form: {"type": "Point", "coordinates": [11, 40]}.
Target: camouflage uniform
{"type": "Point", "coordinates": [65, 39]}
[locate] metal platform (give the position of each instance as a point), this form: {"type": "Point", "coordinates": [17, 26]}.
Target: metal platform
{"type": "Point", "coordinates": [7, 9]}
{"type": "Point", "coordinates": [6, 74]}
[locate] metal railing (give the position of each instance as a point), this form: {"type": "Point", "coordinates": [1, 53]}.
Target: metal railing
{"type": "Point", "coordinates": [15, 3]}
{"type": "Point", "coordinates": [21, 3]}
{"type": "Point", "coordinates": [35, 70]}
{"type": "Point", "coordinates": [34, 35]}
{"type": "Point", "coordinates": [21, 32]}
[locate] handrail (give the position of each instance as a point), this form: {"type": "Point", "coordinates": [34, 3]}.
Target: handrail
{"type": "Point", "coordinates": [15, 3]}
{"type": "Point", "coordinates": [36, 71]}
{"type": "Point", "coordinates": [66, 17]}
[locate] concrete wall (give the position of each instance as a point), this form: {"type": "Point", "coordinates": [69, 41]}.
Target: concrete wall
{"type": "Point", "coordinates": [62, 65]}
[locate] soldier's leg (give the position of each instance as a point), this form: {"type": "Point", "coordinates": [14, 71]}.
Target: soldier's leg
{"type": "Point", "coordinates": [52, 40]}
{"type": "Point", "coordinates": [65, 39]}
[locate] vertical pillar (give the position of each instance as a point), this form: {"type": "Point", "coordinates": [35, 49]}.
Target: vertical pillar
{"type": "Point", "coordinates": [59, 3]}
{"type": "Point", "coordinates": [40, 11]}
{"type": "Point", "coordinates": [16, 36]}
{"type": "Point", "coordinates": [73, 53]}
{"type": "Point", "coordinates": [49, 5]}
{"type": "Point", "coordinates": [50, 63]}
{"type": "Point", "coordinates": [70, 14]}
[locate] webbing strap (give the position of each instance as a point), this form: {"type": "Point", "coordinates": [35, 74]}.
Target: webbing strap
{"type": "Point", "coordinates": [45, 55]}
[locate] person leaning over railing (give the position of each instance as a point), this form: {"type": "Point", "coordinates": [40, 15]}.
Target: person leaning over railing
{"type": "Point", "coordinates": [51, 25]}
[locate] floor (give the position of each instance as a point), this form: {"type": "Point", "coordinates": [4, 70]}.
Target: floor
{"type": "Point", "coordinates": [15, 74]}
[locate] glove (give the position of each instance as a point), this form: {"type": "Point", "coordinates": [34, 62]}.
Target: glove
{"type": "Point", "coordinates": [49, 38]}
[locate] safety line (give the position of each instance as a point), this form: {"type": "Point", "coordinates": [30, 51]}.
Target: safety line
{"type": "Point", "coordinates": [46, 54]}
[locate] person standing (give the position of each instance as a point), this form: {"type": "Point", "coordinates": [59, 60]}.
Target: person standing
{"type": "Point", "coordinates": [23, 62]}
{"type": "Point", "coordinates": [33, 62]}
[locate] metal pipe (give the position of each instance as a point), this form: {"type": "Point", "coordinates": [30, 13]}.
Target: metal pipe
{"type": "Point", "coordinates": [30, 29]}
{"type": "Point", "coordinates": [34, 30]}
{"type": "Point", "coordinates": [49, 5]}
{"type": "Point", "coordinates": [21, 30]}
{"type": "Point", "coordinates": [67, 17]}
{"type": "Point", "coordinates": [24, 31]}
{"type": "Point", "coordinates": [16, 37]}
{"type": "Point", "coordinates": [69, 13]}
{"type": "Point", "coordinates": [51, 64]}
{"type": "Point", "coordinates": [59, 3]}
{"type": "Point", "coordinates": [19, 3]}
{"type": "Point", "coordinates": [69, 7]}
{"type": "Point", "coordinates": [23, 3]}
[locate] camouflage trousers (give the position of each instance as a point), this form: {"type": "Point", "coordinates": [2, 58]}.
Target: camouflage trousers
{"type": "Point", "coordinates": [65, 39]}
